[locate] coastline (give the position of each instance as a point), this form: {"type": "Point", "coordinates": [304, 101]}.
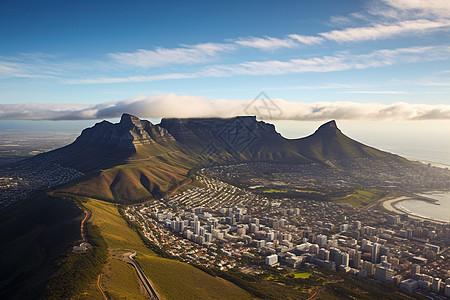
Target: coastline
{"type": "Point", "coordinates": [433, 164]}
{"type": "Point", "coordinates": [390, 205]}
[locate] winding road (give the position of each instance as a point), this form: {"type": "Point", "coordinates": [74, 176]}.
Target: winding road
{"type": "Point", "coordinates": [128, 258]}
{"type": "Point", "coordinates": [83, 224]}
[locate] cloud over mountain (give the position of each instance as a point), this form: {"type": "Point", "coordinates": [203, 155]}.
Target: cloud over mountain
{"type": "Point", "coordinates": [178, 106]}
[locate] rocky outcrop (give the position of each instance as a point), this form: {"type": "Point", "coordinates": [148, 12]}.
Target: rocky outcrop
{"type": "Point", "coordinates": [130, 132]}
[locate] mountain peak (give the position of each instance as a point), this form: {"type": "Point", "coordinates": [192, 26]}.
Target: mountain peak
{"type": "Point", "coordinates": [128, 119]}
{"type": "Point", "coordinates": [331, 124]}
{"type": "Point", "coordinates": [328, 127]}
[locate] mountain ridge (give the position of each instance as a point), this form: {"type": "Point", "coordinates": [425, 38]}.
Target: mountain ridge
{"type": "Point", "coordinates": [135, 160]}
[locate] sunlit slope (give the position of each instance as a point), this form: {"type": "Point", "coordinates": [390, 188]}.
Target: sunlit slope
{"type": "Point", "coordinates": [143, 176]}
{"type": "Point", "coordinates": [172, 279]}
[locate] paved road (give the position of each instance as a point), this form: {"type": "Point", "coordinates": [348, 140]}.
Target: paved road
{"type": "Point", "coordinates": [83, 224]}
{"type": "Point", "coordinates": [128, 258]}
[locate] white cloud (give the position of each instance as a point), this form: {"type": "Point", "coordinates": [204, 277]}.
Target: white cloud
{"type": "Point", "coordinates": [150, 78]}
{"type": "Point", "coordinates": [420, 8]}
{"type": "Point", "coordinates": [378, 58]}
{"type": "Point", "coordinates": [375, 92]}
{"type": "Point", "coordinates": [175, 106]}
{"type": "Point", "coordinates": [12, 68]}
{"type": "Point", "coordinates": [380, 31]}
{"type": "Point", "coordinates": [267, 43]}
{"type": "Point", "coordinates": [306, 39]}
{"type": "Point", "coordinates": [341, 62]}
{"type": "Point", "coordinates": [200, 53]}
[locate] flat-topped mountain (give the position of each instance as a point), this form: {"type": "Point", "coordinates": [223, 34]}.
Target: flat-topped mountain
{"type": "Point", "coordinates": [134, 160]}
{"type": "Point", "coordinates": [249, 139]}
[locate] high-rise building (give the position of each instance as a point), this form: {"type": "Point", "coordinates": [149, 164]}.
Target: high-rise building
{"type": "Point", "coordinates": [384, 274]}
{"type": "Point", "coordinates": [271, 259]}
{"type": "Point", "coordinates": [415, 269]}
{"type": "Point", "coordinates": [335, 255]}
{"type": "Point", "coordinates": [196, 227]}
{"type": "Point", "coordinates": [314, 249]}
{"type": "Point", "coordinates": [393, 220]}
{"type": "Point", "coordinates": [375, 253]}
{"type": "Point", "coordinates": [384, 250]}
{"type": "Point", "coordinates": [447, 290]}
{"type": "Point", "coordinates": [321, 240]}
{"type": "Point", "coordinates": [254, 221]}
{"type": "Point", "coordinates": [270, 236]}
{"type": "Point", "coordinates": [357, 225]}
{"type": "Point", "coordinates": [436, 286]}
{"type": "Point", "coordinates": [324, 254]}
{"type": "Point", "coordinates": [357, 260]}
{"type": "Point", "coordinates": [201, 231]}
{"type": "Point", "coordinates": [343, 227]}
{"type": "Point", "coordinates": [345, 259]}
{"type": "Point", "coordinates": [208, 237]}
{"type": "Point", "coordinates": [260, 243]}
{"type": "Point", "coordinates": [368, 266]}
{"type": "Point", "coordinates": [179, 226]}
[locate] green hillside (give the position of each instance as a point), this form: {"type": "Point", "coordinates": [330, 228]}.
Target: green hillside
{"type": "Point", "coordinates": [172, 279]}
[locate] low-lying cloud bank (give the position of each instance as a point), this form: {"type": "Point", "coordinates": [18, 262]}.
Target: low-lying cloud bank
{"type": "Point", "coordinates": [175, 106]}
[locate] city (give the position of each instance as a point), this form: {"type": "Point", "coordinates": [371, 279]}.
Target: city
{"type": "Point", "coordinates": [218, 225]}
{"type": "Point", "coordinates": [20, 179]}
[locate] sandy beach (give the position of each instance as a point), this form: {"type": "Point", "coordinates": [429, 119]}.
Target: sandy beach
{"type": "Point", "coordinates": [389, 204]}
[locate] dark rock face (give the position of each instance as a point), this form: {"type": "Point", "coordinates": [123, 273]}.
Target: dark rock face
{"type": "Point", "coordinates": [128, 133]}
{"type": "Point", "coordinates": [232, 132]}
{"type": "Point", "coordinates": [219, 140]}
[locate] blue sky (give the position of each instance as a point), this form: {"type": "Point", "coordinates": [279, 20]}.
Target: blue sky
{"type": "Point", "coordinates": [379, 60]}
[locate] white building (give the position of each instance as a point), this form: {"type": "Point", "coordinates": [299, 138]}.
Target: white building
{"type": "Point", "coordinates": [271, 259]}
{"type": "Point", "coordinates": [321, 240]}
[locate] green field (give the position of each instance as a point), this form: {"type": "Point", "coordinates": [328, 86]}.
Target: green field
{"type": "Point", "coordinates": [172, 279]}
{"type": "Point", "coordinates": [302, 275]}
{"type": "Point", "coordinates": [359, 197]}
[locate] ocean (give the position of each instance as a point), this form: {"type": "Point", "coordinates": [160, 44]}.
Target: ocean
{"type": "Point", "coordinates": [429, 210]}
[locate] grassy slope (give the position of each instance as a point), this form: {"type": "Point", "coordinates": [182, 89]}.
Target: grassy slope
{"type": "Point", "coordinates": [117, 273]}
{"type": "Point", "coordinates": [145, 175]}
{"type": "Point", "coordinates": [360, 197]}
{"type": "Point", "coordinates": [172, 279]}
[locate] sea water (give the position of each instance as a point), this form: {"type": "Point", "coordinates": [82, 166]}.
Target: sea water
{"type": "Point", "coordinates": [439, 211]}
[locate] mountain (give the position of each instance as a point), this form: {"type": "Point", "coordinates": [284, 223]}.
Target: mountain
{"type": "Point", "coordinates": [329, 143]}
{"type": "Point", "coordinates": [245, 138]}
{"type": "Point", "coordinates": [234, 139]}
{"type": "Point", "coordinates": [135, 160]}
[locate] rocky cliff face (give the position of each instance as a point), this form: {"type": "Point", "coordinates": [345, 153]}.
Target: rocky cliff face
{"type": "Point", "coordinates": [214, 139]}
{"type": "Point", "coordinates": [227, 133]}
{"type": "Point", "coordinates": [130, 132]}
